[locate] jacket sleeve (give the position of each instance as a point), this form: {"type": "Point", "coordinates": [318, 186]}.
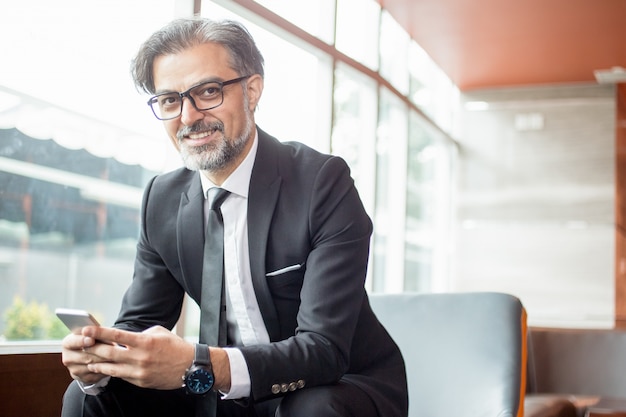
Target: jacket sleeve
{"type": "Point", "coordinates": [154, 297]}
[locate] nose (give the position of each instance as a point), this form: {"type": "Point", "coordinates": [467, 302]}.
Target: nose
{"type": "Point", "coordinates": [189, 113]}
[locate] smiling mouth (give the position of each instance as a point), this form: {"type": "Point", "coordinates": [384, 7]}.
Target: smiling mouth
{"type": "Point", "coordinates": [201, 133]}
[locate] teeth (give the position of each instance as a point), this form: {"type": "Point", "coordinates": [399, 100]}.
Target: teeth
{"type": "Point", "coordinates": [199, 135]}
{"type": "Point", "coordinates": [204, 134]}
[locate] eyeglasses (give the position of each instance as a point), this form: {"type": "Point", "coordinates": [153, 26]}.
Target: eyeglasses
{"type": "Point", "coordinates": [204, 96]}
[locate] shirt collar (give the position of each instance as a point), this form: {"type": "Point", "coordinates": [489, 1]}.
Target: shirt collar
{"type": "Point", "coordinates": [239, 181]}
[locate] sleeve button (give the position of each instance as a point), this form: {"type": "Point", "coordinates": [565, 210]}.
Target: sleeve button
{"type": "Point", "coordinates": [275, 389]}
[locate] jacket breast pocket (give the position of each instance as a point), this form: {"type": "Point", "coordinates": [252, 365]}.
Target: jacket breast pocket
{"type": "Point", "coordinates": [286, 283]}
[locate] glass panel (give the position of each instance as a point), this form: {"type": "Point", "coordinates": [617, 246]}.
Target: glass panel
{"type": "Point", "coordinates": [427, 208]}
{"type": "Point", "coordinates": [76, 149]}
{"type": "Point", "coordinates": [357, 30]}
{"type": "Point", "coordinates": [354, 128]}
{"type": "Point", "coordinates": [297, 92]}
{"type": "Point", "coordinates": [390, 194]}
{"type": "Point", "coordinates": [316, 17]}
{"type": "Point", "coordinates": [430, 89]}
{"type": "Point", "coordinates": [394, 52]}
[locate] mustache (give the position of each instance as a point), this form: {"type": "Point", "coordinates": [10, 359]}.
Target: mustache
{"type": "Point", "coordinates": [199, 127]}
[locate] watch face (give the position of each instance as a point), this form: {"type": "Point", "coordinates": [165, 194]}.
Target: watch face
{"type": "Point", "coordinates": [199, 381]}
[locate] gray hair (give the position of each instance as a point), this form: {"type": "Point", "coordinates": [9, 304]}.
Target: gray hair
{"type": "Point", "coordinates": [181, 34]}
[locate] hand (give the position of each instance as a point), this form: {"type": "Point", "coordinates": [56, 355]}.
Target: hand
{"type": "Point", "coordinates": [76, 359]}
{"type": "Point", "coordinates": [155, 358]}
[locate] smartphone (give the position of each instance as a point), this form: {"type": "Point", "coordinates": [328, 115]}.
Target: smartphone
{"type": "Point", "coordinates": [75, 320]}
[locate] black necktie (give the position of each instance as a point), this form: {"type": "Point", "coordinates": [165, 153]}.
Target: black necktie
{"type": "Point", "coordinates": [213, 299]}
{"type": "Point", "coordinates": [213, 304]}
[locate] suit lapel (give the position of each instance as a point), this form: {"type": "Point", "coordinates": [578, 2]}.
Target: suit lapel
{"type": "Point", "coordinates": [264, 188]}
{"type": "Point", "coordinates": [190, 237]}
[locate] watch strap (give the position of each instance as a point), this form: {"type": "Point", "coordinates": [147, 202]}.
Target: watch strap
{"type": "Point", "coordinates": [202, 356]}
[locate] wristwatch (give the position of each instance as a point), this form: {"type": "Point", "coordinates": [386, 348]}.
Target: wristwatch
{"type": "Point", "coordinates": [199, 378]}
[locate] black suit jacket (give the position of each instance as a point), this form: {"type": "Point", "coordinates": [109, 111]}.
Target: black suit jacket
{"type": "Point", "coordinates": [303, 209]}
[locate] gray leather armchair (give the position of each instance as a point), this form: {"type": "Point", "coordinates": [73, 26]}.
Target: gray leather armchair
{"type": "Point", "coordinates": [465, 353]}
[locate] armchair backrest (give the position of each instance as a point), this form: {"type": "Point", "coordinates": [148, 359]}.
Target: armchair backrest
{"type": "Point", "coordinates": [465, 353]}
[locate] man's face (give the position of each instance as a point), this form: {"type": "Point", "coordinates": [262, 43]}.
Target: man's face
{"type": "Point", "coordinates": [215, 140]}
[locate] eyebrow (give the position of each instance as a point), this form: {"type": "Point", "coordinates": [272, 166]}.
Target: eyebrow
{"type": "Point", "coordinates": [208, 80]}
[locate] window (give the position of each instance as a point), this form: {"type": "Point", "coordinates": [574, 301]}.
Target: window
{"type": "Point", "coordinates": [77, 146]}
{"type": "Point", "coordinates": [428, 214]}
{"type": "Point", "coordinates": [430, 89]}
{"type": "Point", "coordinates": [394, 48]}
{"type": "Point", "coordinates": [316, 17]}
{"type": "Point", "coordinates": [297, 92]}
{"type": "Point", "coordinates": [391, 145]}
{"type": "Point", "coordinates": [354, 128]}
{"type": "Point", "coordinates": [357, 30]}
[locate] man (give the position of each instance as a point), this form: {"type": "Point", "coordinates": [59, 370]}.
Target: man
{"type": "Point", "coordinates": [302, 339]}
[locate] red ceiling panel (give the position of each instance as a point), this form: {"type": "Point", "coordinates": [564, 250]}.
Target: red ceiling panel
{"type": "Point", "coordinates": [504, 43]}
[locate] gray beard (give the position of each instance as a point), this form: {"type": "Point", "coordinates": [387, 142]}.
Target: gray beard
{"type": "Point", "coordinates": [214, 157]}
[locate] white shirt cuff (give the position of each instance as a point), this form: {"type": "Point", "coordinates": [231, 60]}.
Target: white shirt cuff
{"type": "Point", "coordinates": [239, 376]}
{"type": "Point", "coordinates": [94, 389]}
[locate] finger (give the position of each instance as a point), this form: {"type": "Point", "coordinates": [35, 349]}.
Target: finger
{"type": "Point", "coordinates": [111, 335]}
{"type": "Point", "coordinates": [77, 342]}
{"type": "Point", "coordinates": [118, 370]}
{"type": "Point", "coordinates": [132, 374]}
{"type": "Point", "coordinates": [76, 362]}
{"type": "Point", "coordinates": [82, 373]}
{"type": "Point", "coordinates": [106, 352]}
{"type": "Point", "coordinates": [79, 355]}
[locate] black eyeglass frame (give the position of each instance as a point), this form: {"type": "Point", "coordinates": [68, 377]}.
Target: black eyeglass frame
{"type": "Point", "coordinates": [187, 93]}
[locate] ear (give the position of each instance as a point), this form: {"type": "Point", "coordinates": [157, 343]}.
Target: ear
{"type": "Point", "coordinates": [255, 89]}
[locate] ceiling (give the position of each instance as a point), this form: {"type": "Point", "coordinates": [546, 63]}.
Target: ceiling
{"type": "Point", "coordinates": [508, 43]}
